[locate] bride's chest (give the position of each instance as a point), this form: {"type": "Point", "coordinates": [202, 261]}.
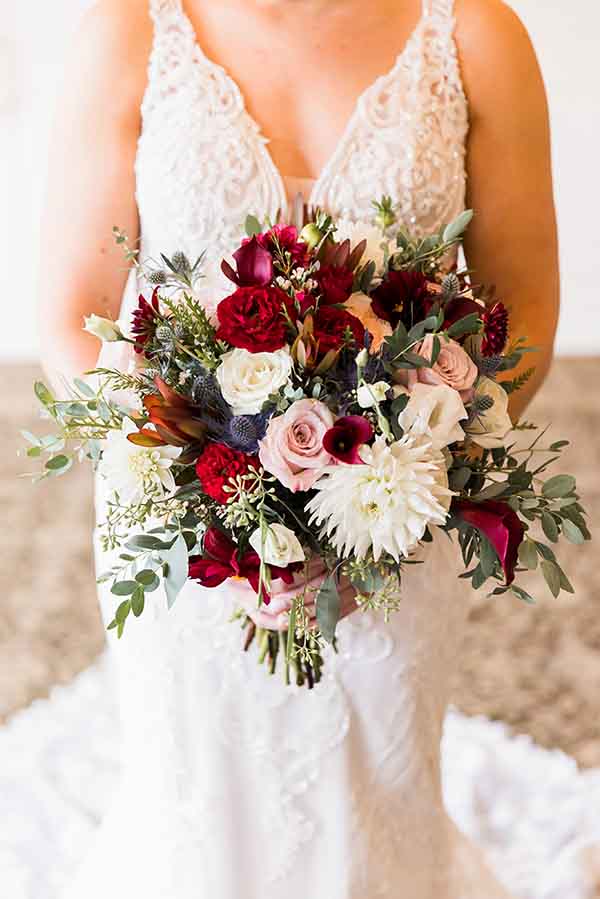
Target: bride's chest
{"type": "Point", "coordinates": [204, 163]}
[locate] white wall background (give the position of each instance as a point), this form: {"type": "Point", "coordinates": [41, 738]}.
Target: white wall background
{"type": "Point", "coordinates": [33, 34]}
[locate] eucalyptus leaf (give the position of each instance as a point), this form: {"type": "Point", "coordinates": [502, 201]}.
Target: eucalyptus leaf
{"type": "Point", "coordinates": [488, 558]}
{"type": "Point", "coordinates": [124, 588]}
{"type": "Point", "coordinates": [572, 532]}
{"type": "Point", "coordinates": [469, 324]}
{"type": "Point", "coordinates": [328, 608]}
{"type": "Point", "coordinates": [454, 230]}
{"type": "Point", "coordinates": [551, 573]}
{"type": "Point", "coordinates": [43, 394]}
{"type": "Point", "coordinates": [59, 463]}
{"type": "Point", "coordinates": [138, 601]}
{"type": "Point", "coordinates": [148, 579]}
{"type": "Point", "coordinates": [84, 387]}
{"type": "Point", "coordinates": [145, 541]}
{"type": "Point", "coordinates": [123, 611]}
{"type": "Point", "coordinates": [459, 478]}
{"type": "Point", "coordinates": [559, 486]}
{"type": "Point", "coordinates": [252, 226]}
{"type": "Point", "coordinates": [550, 527]}
{"type": "Point", "coordinates": [177, 571]}
{"type": "Point", "coordinates": [528, 555]}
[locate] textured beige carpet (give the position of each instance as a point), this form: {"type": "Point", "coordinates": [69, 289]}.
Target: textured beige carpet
{"type": "Point", "coordinates": [537, 668]}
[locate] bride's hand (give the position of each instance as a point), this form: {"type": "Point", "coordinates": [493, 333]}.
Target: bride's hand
{"type": "Point", "coordinates": [275, 616]}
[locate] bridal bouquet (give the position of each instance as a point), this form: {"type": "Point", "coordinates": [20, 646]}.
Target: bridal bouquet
{"type": "Point", "coordinates": [348, 395]}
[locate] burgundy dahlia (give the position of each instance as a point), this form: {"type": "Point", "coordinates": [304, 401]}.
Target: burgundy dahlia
{"type": "Point", "coordinates": [495, 329]}
{"type": "Point", "coordinates": [402, 297]}
{"type": "Point", "coordinates": [144, 320]}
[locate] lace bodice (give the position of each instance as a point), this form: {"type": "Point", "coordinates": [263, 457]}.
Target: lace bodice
{"type": "Point", "coordinates": [203, 163]}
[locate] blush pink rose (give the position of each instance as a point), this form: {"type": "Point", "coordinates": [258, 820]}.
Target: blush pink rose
{"type": "Point", "coordinates": [292, 449]}
{"type": "Point", "coordinates": [453, 367]}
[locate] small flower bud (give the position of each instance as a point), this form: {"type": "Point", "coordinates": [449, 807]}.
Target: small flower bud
{"type": "Point", "coordinates": [103, 328]}
{"type": "Point", "coordinates": [311, 235]}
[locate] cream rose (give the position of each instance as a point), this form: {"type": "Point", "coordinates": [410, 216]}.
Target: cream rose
{"type": "Point", "coordinates": [490, 427]}
{"type": "Point", "coordinates": [359, 304]}
{"type": "Point", "coordinates": [434, 411]}
{"type": "Point", "coordinates": [292, 449]}
{"type": "Point", "coordinates": [453, 367]}
{"type": "Point", "coordinates": [281, 547]}
{"type": "Point", "coordinates": [247, 379]}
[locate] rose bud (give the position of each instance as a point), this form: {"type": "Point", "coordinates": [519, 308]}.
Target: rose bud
{"type": "Point", "coordinates": [311, 235]}
{"type": "Point", "coordinates": [103, 328]}
{"type": "Point", "coordinates": [346, 437]}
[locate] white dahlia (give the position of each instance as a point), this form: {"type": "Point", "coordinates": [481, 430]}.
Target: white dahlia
{"type": "Point", "coordinates": [386, 504]}
{"type": "Point", "coordinates": [137, 472]}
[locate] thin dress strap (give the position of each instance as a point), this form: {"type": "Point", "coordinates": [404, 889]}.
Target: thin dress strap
{"type": "Point", "coordinates": [442, 9]}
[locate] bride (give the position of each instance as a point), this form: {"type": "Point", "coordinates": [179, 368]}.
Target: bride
{"type": "Point", "coordinates": [177, 120]}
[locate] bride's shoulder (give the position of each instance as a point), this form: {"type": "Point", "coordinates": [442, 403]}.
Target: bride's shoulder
{"type": "Point", "coordinates": [498, 61]}
{"type": "Point", "coordinates": [110, 49]}
{"type": "Point", "coordinates": [118, 33]}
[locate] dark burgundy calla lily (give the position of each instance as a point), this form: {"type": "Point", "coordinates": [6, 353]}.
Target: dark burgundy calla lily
{"type": "Point", "coordinates": [223, 561]}
{"type": "Point", "coordinates": [254, 265]}
{"type": "Point", "coordinates": [346, 437]}
{"type": "Point", "coordinates": [500, 524]}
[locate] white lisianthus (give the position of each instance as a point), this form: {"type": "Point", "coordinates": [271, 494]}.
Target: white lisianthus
{"type": "Point", "coordinates": [137, 472]}
{"type": "Point", "coordinates": [247, 379]}
{"type": "Point", "coordinates": [281, 547]}
{"type": "Point", "coordinates": [385, 505]}
{"type": "Point", "coordinates": [356, 232]}
{"type": "Point", "coordinates": [370, 394]}
{"type": "Point", "coordinates": [434, 411]}
{"type": "Point", "coordinates": [490, 426]}
{"type": "Point", "coordinates": [102, 328]}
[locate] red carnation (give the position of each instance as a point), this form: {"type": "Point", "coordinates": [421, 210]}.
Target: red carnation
{"type": "Point", "coordinates": [335, 283]}
{"type": "Point", "coordinates": [252, 319]}
{"type": "Point", "coordinates": [333, 326]}
{"type": "Point", "coordinates": [402, 297]}
{"type": "Point", "coordinates": [217, 465]}
{"type": "Point", "coordinates": [495, 329]}
{"type": "Point", "coordinates": [144, 320]}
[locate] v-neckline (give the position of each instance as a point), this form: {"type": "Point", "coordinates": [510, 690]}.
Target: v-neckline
{"type": "Point", "coordinates": [263, 141]}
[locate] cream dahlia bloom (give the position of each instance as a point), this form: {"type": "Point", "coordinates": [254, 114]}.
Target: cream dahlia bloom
{"type": "Point", "coordinates": [137, 472]}
{"type": "Point", "coordinates": [385, 505]}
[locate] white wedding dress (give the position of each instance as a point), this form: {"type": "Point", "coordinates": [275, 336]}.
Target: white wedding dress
{"type": "Point", "coordinates": [233, 786]}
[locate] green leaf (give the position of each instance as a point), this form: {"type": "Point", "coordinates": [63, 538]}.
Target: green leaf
{"type": "Point", "coordinates": [545, 551]}
{"type": "Point", "coordinates": [34, 452]}
{"type": "Point", "coordinates": [84, 387]}
{"type": "Point", "coordinates": [436, 349]}
{"type": "Point", "coordinates": [572, 532]}
{"type": "Point", "coordinates": [145, 541]}
{"type": "Point", "coordinates": [416, 361]}
{"type": "Point", "coordinates": [252, 226]}
{"type": "Point", "coordinates": [565, 583]}
{"type": "Point", "coordinates": [43, 394]}
{"type": "Point", "coordinates": [528, 555]}
{"type": "Point", "coordinates": [148, 579]}
{"type": "Point", "coordinates": [549, 527]}
{"type": "Point", "coordinates": [551, 573]}
{"type": "Point", "coordinates": [559, 486]}
{"type": "Point", "coordinates": [560, 444]}
{"type": "Point", "coordinates": [523, 595]}
{"type": "Point", "coordinates": [488, 558]}
{"type": "Point", "coordinates": [30, 438]}
{"type": "Point", "coordinates": [469, 324]}
{"type": "Point", "coordinates": [124, 588]}
{"type": "Point", "coordinates": [59, 463]}
{"type": "Point", "coordinates": [328, 608]}
{"type": "Point", "coordinates": [123, 611]}
{"type": "Point", "coordinates": [491, 492]}
{"type": "Point", "coordinates": [454, 230]}
{"type": "Point", "coordinates": [138, 601]}
{"type": "Point", "coordinates": [177, 569]}
{"type": "Point", "coordinates": [459, 478]}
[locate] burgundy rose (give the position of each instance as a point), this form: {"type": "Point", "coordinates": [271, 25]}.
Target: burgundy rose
{"type": "Point", "coordinates": [335, 283]}
{"type": "Point", "coordinates": [402, 297]}
{"type": "Point", "coordinates": [217, 465]}
{"type": "Point", "coordinates": [333, 326]}
{"type": "Point", "coordinates": [223, 560]}
{"type": "Point", "coordinates": [254, 265]}
{"type": "Point", "coordinates": [144, 320]}
{"type": "Point", "coordinates": [252, 318]}
{"type": "Point", "coordinates": [346, 437]}
{"type": "Point", "coordinates": [500, 524]}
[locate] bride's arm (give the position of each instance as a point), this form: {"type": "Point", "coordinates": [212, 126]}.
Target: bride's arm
{"type": "Point", "coordinates": [512, 240]}
{"type": "Point", "coordinates": [91, 181]}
